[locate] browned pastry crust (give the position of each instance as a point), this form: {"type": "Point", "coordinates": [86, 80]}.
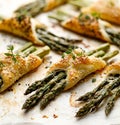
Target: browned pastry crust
{"type": "Point", "coordinates": [90, 27]}
{"type": "Point", "coordinates": [51, 4]}
{"type": "Point", "coordinates": [114, 68]}
{"type": "Point", "coordinates": [12, 71]}
{"type": "Point", "coordinates": [23, 27]}
{"type": "Point", "coordinates": [78, 68]}
{"type": "Point", "coordinates": [107, 9]}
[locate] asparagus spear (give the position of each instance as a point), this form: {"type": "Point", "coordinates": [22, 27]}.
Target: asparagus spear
{"type": "Point", "coordinates": [114, 36]}
{"type": "Point", "coordinates": [81, 3]}
{"type": "Point", "coordinates": [32, 100]}
{"type": "Point", "coordinates": [90, 95]}
{"type": "Point", "coordinates": [54, 90]}
{"type": "Point", "coordinates": [90, 106]}
{"type": "Point", "coordinates": [112, 100]}
{"type": "Point", "coordinates": [56, 43]}
{"type": "Point", "coordinates": [103, 47]}
{"type": "Point", "coordinates": [41, 83]}
{"type": "Point", "coordinates": [31, 9]}
{"type": "Point", "coordinates": [94, 103]}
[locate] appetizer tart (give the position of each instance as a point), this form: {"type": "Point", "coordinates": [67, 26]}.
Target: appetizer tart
{"type": "Point", "coordinates": [36, 32]}
{"type": "Point", "coordinates": [107, 9]}
{"type": "Point", "coordinates": [90, 25]}
{"type": "Point", "coordinates": [108, 88]}
{"type": "Point", "coordinates": [38, 6]}
{"type": "Point", "coordinates": [14, 65]}
{"type": "Point", "coordinates": [66, 73]}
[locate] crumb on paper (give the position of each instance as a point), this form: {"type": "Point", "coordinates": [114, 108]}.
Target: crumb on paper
{"type": "Point", "coordinates": [72, 101]}
{"type": "Point", "coordinates": [55, 116]}
{"type": "Point", "coordinates": [32, 118]}
{"type": "Point", "coordinates": [45, 116]}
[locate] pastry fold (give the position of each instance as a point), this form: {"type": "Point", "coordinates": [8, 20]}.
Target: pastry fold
{"type": "Point", "coordinates": [114, 68]}
{"type": "Point", "coordinates": [12, 71]}
{"type": "Point", "coordinates": [107, 9]}
{"type": "Point", "coordinates": [23, 26]}
{"type": "Point", "coordinates": [78, 68]}
{"type": "Point", "coordinates": [89, 26]}
{"type": "Point", "coordinates": [51, 4]}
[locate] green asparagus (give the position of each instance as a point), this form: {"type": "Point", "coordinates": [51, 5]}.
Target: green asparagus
{"type": "Point", "coordinates": [41, 83]}
{"type": "Point", "coordinates": [45, 94]}
{"type": "Point", "coordinates": [59, 44]}
{"type": "Point", "coordinates": [41, 92]}
{"type": "Point", "coordinates": [114, 36]}
{"type": "Point", "coordinates": [112, 100]}
{"type": "Point", "coordinates": [98, 95]}
{"type": "Point", "coordinates": [31, 9]}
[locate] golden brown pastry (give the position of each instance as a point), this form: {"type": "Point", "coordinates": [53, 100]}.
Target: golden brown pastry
{"type": "Point", "coordinates": [12, 71]}
{"type": "Point", "coordinates": [50, 4]}
{"type": "Point", "coordinates": [91, 25]}
{"type": "Point", "coordinates": [23, 27]}
{"type": "Point", "coordinates": [114, 68]}
{"type": "Point", "coordinates": [78, 68]}
{"type": "Point", "coordinates": [107, 9]}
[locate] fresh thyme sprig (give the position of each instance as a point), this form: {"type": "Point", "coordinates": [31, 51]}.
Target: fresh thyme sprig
{"type": "Point", "coordinates": [71, 52]}
{"type": "Point", "coordinates": [10, 53]}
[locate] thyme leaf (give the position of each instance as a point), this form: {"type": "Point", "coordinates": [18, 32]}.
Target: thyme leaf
{"type": "Point", "coordinates": [70, 52]}
{"type": "Point", "coordinates": [10, 53]}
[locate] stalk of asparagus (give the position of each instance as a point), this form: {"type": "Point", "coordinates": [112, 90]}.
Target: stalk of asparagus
{"type": "Point", "coordinates": [114, 36]}
{"type": "Point", "coordinates": [56, 43]}
{"type": "Point", "coordinates": [98, 95]}
{"type": "Point", "coordinates": [29, 48]}
{"type": "Point", "coordinates": [31, 9]}
{"type": "Point", "coordinates": [81, 3]}
{"type": "Point", "coordinates": [32, 100]}
{"type": "Point", "coordinates": [112, 100]}
{"type": "Point", "coordinates": [54, 91]}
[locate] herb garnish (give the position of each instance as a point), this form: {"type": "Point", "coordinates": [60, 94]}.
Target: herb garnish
{"type": "Point", "coordinates": [10, 53]}
{"type": "Point", "coordinates": [70, 51]}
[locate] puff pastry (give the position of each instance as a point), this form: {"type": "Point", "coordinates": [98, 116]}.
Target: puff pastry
{"type": "Point", "coordinates": [12, 71]}
{"type": "Point", "coordinates": [114, 68]}
{"type": "Point", "coordinates": [36, 32]}
{"type": "Point", "coordinates": [89, 25]}
{"type": "Point", "coordinates": [107, 9]}
{"type": "Point", "coordinates": [78, 68]}
{"type": "Point", "coordinates": [38, 6]}
{"type": "Point", "coordinates": [23, 27]}
{"type": "Point", "coordinates": [50, 4]}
